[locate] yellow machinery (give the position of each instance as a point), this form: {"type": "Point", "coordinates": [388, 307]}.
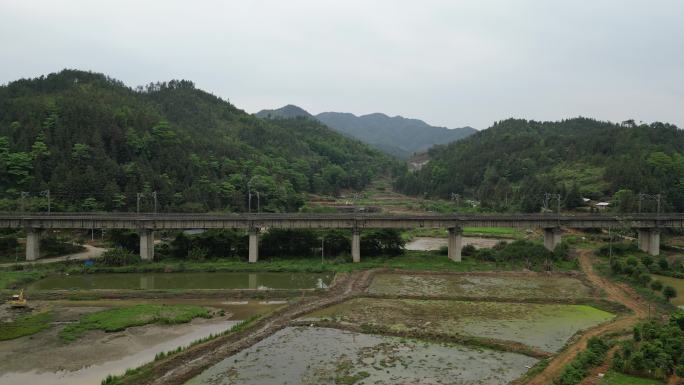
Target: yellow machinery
{"type": "Point", "coordinates": [18, 300]}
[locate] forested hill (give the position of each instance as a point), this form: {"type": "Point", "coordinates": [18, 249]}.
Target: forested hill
{"type": "Point", "coordinates": [96, 144]}
{"type": "Point", "coordinates": [396, 135]}
{"type": "Point", "coordinates": [512, 164]}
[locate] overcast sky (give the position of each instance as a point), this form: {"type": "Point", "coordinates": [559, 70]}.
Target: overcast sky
{"type": "Point", "coordinates": [450, 63]}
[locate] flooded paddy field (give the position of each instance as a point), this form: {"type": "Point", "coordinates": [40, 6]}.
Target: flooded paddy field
{"type": "Point", "coordinates": [543, 326]}
{"type": "Point", "coordinates": [514, 286]}
{"type": "Point", "coordinates": [183, 281]}
{"type": "Point", "coordinates": [311, 355]}
{"type": "Point", "coordinates": [45, 358]}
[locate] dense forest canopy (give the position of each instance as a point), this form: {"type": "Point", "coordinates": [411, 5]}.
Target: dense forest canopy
{"type": "Point", "coordinates": [96, 144]}
{"type": "Point", "coordinates": [512, 164]}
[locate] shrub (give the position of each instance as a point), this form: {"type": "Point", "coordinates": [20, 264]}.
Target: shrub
{"type": "Point", "coordinates": [616, 266]}
{"type": "Point", "coordinates": [467, 250]}
{"type": "Point", "coordinates": [663, 264]}
{"type": "Point", "coordinates": [578, 369]}
{"type": "Point", "coordinates": [197, 253]}
{"type": "Point", "coordinates": [632, 261]}
{"type": "Point", "coordinates": [119, 257]}
{"type": "Point", "coordinates": [126, 239]}
{"type": "Point", "coordinates": [644, 279]}
{"type": "Point", "coordinates": [617, 249]}
{"type": "Point", "coordinates": [656, 285]}
{"type": "Point", "coordinates": [647, 260]}
{"type": "Point", "coordinates": [669, 292]}
{"type": "Point", "coordinates": [656, 349]}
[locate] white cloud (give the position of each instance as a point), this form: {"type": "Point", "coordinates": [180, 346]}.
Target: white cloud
{"type": "Point", "coordinates": [450, 63]}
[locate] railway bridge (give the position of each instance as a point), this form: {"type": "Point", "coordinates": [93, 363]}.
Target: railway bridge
{"type": "Point", "coordinates": [648, 226]}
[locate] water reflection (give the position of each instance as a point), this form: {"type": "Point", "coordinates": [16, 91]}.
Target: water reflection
{"type": "Point", "coordinates": [190, 280]}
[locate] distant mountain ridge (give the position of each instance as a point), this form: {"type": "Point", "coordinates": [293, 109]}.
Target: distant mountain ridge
{"type": "Point", "coordinates": [395, 135]}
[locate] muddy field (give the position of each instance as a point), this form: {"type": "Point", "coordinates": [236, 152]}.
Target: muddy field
{"type": "Point", "coordinates": [515, 286]}
{"type": "Point", "coordinates": [543, 326]}
{"type": "Point", "coordinates": [310, 355]}
{"type": "Point", "coordinates": [44, 358]}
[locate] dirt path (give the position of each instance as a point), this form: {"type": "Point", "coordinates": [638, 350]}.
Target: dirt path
{"type": "Point", "coordinates": [616, 292]}
{"type": "Point", "coordinates": [90, 253]}
{"type": "Point", "coordinates": [593, 377]}
{"type": "Point", "coordinates": [180, 368]}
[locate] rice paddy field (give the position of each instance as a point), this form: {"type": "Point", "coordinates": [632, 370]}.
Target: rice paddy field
{"type": "Point", "coordinates": [543, 326]}
{"type": "Point", "coordinates": [311, 355]}
{"type": "Point", "coordinates": [501, 285]}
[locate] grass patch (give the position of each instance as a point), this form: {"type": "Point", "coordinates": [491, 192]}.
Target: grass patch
{"type": "Point", "coordinates": [615, 378]}
{"type": "Point", "coordinates": [409, 260]}
{"type": "Point", "coordinates": [13, 278]}
{"type": "Point", "coordinates": [119, 319]}
{"type": "Point", "coordinates": [491, 232]}
{"type": "Point", "coordinates": [24, 326]}
{"type": "Point", "coordinates": [504, 232]}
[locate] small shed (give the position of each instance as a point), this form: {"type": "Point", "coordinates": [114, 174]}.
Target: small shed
{"type": "Point", "coordinates": [602, 205]}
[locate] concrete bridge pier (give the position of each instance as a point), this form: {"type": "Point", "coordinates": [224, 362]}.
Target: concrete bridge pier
{"type": "Point", "coordinates": [33, 244]}
{"type": "Point", "coordinates": [455, 244]}
{"type": "Point", "coordinates": [356, 245]}
{"type": "Point", "coordinates": [649, 241]}
{"type": "Point", "coordinates": [147, 245]}
{"type": "Point", "coordinates": [552, 238]}
{"type": "Point", "coordinates": [253, 245]}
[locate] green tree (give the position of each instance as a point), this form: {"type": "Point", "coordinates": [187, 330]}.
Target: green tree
{"type": "Point", "coordinates": [80, 152]}
{"type": "Point", "coordinates": [669, 292]}
{"type": "Point", "coordinates": [657, 285]}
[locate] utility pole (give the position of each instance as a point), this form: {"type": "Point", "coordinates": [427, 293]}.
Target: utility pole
{"type": "Point", "coordinates": [557, 197]}
{"type": "Point", "coordinates": [258, 202]}
{"type": "Point", "coordinates": [138, 196]}
{"type": "Point", "coordinates": [24, 194]}
{"type": "Point", "coordinates": [610, 245]}
{"type": "Point", "coordinates": [548, 197]}
{"type": "Point", "coordinates": [47, 193]}
{"type": "Point", "coordinates": [457, 198]}
{"type": "Point", "coordinates": [655, 197]}
{"type": "Point", "coordinates": [154, 196]}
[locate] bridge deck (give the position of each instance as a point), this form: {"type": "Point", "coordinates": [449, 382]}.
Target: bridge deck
{"type": "Point", "coordinates": [350, 221]}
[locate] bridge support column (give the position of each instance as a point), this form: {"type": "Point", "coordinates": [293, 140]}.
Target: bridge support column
{"type": "Point", "coordinates": [32, 244]}
{"type": "Point", "coordinates": [253, 245]}
{"type": "Point", "coordinates": [356, 245]}
{"type": "Point", "coordinates": [649, 241]}
{"type": "Point", "coordinates": [455, 244]}
{"type": "Point", "coordinates": [147, 245]}
{"type": "Point", "coordinates": [552, 238]}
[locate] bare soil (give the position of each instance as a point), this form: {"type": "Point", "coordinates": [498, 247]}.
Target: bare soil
{"type": "Point", "coordinates": [617, 292]}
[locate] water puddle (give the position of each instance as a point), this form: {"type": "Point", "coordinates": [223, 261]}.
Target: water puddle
{"type": "Point", "coordinates": [186, 281]}
{"type": "Point", "coordinates": [311, 355]}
